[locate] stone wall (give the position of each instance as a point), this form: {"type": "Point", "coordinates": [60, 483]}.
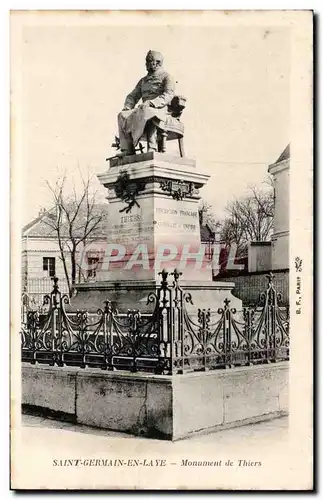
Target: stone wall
{"type": "Point", "coordinates": [248, 287]}
{"type": "Point", "coordinates": [157, 406]}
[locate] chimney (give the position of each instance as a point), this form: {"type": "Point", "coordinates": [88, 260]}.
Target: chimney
{"type": "Point", "coordinates": [41, 212]}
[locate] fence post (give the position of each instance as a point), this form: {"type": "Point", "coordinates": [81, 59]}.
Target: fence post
{"type": "Point", "coordinates": [203, 319]}
{"type": "Point", "coordinates": [227, 333]}
{"type": "Point", "coordinates": [108, 334]}
{"type": "Point", "coordinates": [176, 304]}
{"type": "Point", "coordinates": [165, 299]}
{"type": "Point", "coordinates": [55, 305]}
{"type": "Point", "coordinates": [248, 331]}
{"type": "Point", "coordinates": [269, 319]}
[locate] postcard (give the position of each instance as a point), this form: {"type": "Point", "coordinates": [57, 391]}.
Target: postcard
{"type": "Point", "coordinates": [161, 252]}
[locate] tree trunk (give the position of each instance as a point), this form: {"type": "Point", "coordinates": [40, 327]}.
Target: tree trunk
{"type": "Point", "coordinates": [64, 265]}
{"type": "Point", "coordinates": [73, 266]}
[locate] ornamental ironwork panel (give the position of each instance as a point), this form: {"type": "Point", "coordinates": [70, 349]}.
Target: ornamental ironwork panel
{"type": "Point", "coordinates": [261, 336]}
{"type": "Point", "coordinates": [168, 340]}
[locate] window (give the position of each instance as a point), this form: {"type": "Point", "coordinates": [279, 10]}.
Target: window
{"type": "Point", "coordinates": [92, 266]}
{"type": "Point", "coordinates": [49, 266]}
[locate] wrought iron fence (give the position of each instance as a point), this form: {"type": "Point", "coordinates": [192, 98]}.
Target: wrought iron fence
{"type": "Point", "coordinates": [166, 341]}
{"type": "Point", "coordinates": [34, 290]}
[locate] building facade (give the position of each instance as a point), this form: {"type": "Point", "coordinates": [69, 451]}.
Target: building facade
{"type": "Point", "coordinates": [40, 260]}
{"type": "Point", "coordinates": [280, 237]}
{"type": "Point", "coordinates": [265, 256]}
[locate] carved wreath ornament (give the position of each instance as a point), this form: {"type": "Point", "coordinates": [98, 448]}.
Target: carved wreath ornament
{"type": "Point", "coordinates": [127, 191]}
{"type": "Point", "coordinates": [179, 189]}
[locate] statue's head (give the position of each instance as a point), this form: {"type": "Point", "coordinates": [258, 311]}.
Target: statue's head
{"type": "Point", "coordinates": [154, 60]}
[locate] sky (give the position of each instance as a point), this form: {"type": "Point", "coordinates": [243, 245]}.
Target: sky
{"type": "Point", "coordinates": [74, 79]}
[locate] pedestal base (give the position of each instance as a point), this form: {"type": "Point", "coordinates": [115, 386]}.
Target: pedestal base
{"type": "Point", "coordinates": [157, 406]}
{"type": "Point", "coordinates": [133, 295]}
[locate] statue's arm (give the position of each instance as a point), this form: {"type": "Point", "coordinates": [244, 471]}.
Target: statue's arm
{"type": "Point", "coordinates": [133, 97]}
{"type": "Point", "coordinates": [167, 95]}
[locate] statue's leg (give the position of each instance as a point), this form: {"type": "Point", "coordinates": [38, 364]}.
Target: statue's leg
{"type": "Point", "coordinates": [181, 146]}
{"type": "Point", "coordinates": [151, 131]}
{"type": "Point", "coordinates": [126, 143]}
{"type": "Point", "coordinates": [163, 134]}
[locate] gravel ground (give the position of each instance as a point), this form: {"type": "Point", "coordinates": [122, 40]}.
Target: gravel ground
{"type": "Point", "coordinates": [48, 454]}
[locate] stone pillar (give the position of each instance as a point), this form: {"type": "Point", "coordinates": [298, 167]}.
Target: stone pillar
{"type": "Point", "coordinates": [280, 237]}
{"type": "Point", "coordinates": [259, 256]}
{"type": "Point", "coordinates": [162, 228]}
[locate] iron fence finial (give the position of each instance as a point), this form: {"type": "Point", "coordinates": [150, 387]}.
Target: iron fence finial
{"type": "Point", "coordinates": [226, 303]}
{"type": "Point", "coordinates": [164, 275]}
{"type": "Point", "coordinates": [176, 274]}
{"type": "Point", "coordinates": [55, 294]}
{"type": "Point", "coordinates": [107, 306]}
{"type": "Point", "coordinates": [55, 286]}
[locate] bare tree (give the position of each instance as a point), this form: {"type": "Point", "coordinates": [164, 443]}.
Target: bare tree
{"type": "Point", "coordinates": [249, 218]}
{"type": "Point", "coordinates": [75, 218]}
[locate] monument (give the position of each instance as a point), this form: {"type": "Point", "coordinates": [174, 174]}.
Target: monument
{"type": "Point", "coordinates": [154, 357]}
{"type": "Point", "coordinates": [153, 205]}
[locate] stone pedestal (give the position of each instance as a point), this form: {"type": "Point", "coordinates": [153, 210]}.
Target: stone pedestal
{"type": "Point", "coordinates": [156, 228]}
{"type": "Point", "coordinates": [162, 227]}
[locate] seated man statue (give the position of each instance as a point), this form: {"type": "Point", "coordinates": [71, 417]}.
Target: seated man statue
{"type": "Point", "coordinates": [156, 90]}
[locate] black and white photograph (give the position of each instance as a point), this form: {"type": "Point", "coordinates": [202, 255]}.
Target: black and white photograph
{"type": "Point", "coordinates": [161, 260]}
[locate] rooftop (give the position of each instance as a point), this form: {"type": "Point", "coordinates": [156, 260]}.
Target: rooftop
{"type": "Point", "coordinates": [285, 154]}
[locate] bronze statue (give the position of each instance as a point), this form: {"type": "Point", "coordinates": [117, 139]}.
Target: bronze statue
{"type": "Point", "coordinates": [156, 90]}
